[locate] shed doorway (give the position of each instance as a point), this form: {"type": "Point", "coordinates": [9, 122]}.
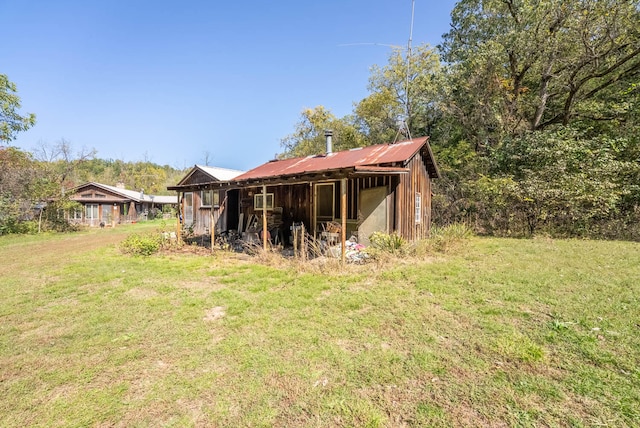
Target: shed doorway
{"type": "Point", "coordinates": [325, 197]}
{"type": "Point", "coordinates": [373, 213]}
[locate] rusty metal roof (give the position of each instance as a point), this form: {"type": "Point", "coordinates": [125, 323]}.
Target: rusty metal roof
{"type": "Point", "coordinates": [377, 155]}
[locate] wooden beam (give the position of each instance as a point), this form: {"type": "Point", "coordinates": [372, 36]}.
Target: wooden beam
{"type": "Point", "coordinates": [264, 217]}
{"type": "Point", "coordinates": [213, 224]}
{"type": "Point", "coordinates": [178, 222]}
{"type": "Point", "coordinates": [343, 216]}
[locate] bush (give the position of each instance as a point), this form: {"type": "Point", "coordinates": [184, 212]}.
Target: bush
{"type": "Point", "coordinates": [141, 245]}
{"type": "Point", "coordinates": [444, 239]}
{"type": "Point", "coordinates": [388, 243]}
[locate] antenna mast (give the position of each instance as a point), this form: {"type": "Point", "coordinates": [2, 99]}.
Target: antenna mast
{"type": "Point", "coordinates": [406, 89]}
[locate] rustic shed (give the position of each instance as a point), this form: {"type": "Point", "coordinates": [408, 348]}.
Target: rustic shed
{"type": "Point", "coordinates": [385, 187]}
{"type": "Point", "coordinates": [111, 205]}
{"type": "Point", "coordinates": [200, 203]}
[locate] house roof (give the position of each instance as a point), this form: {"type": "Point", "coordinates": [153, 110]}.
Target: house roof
{"type": "Point", "coordinates": [222, 174]}
{"type": "Point", "coordinates": [212, 173]}
{"type": "Point", "coordinates": [129, 194]}
{"type": "Point", "coordinates": [380, 156]}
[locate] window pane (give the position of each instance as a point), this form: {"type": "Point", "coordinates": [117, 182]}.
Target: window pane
{"type": "Point", "coordinates": [206, 198]}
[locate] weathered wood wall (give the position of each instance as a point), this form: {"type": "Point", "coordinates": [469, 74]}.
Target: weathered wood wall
{"type": "Point", "coordinates": [417, 181]}
{"type": "Point", "coordinates": [297, 201]}
{"type": "Point", "coordinates": [202, 215]}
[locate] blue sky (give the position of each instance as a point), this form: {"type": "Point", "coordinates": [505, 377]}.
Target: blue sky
{"type": "Point", "coordinates": [169, 81]}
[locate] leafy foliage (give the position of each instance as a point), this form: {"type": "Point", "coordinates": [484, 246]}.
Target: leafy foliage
{"type": "Point", "coordinates": [559, 182]}
{"type": "Point", "coordinates": [141, 244]}
{"type": "Point", "coordinates": [309, 139]}
{"type": "Point", "coordinates": [21, 185]}
{"type": "Point", "coordinates": [388, 242]}
{"type": "Point", "coordinates": [408, 88]}
{"type": "Point", "coordinates": [11, 122]}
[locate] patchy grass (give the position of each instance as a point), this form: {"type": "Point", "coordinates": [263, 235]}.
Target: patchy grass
{"type": "Point", "coordinates": [501, 333]}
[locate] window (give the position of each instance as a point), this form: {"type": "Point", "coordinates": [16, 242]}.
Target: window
{"type": "Point", "coordinates": [418, 208]}
{"type": "Point", "coordinates": [87, 195]}
{"type": "Point", "coordinates": [99, 195]}
{"type": "Point", "coordinates": [76, 214]}
{"type": "Point", "coordinates": [209, 197]}
{"type": "Point", "coordinates": [91, 211]}
{"type": "Point", "coordinates": [258, 201]}
{"type": "Point", "coordinates": [205, 197]}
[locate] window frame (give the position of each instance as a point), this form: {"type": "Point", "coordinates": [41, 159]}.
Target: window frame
{"type": "Point", "coordinates": [203, 203]}
{"type": "Point", "coordinates": [258, 200]}
{"type": "Point", "coordinates": [89, 209]}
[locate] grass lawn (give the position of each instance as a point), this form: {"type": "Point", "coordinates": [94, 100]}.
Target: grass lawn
{"type": "Point", "coordinates": [500, 333]}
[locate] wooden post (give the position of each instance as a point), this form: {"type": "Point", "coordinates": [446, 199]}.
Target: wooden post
{"type": "Point", "coordinates": [312, 207]}
{"type": "Point", "coordinates": [343, 215]}
{"type": "Point", "coordinates": [264, 217]}
{"type": "Point", "coordinates": [178, 223]}
{"type": "Point", "coordinates": [213, 225]}
{"type": "Point", "coordinates": [303, 244]}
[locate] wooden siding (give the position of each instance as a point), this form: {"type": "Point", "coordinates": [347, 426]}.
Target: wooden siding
{"type": "Point", "coordinates": [417, 181]}
{"type": "Point", "coordinates": [202, 215]}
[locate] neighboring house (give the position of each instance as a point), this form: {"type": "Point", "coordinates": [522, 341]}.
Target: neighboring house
{"type": "Point", "coordinates": [200, 203]}
{"type": "Point", "coordinates": [384, 188]}
{"type": "Point", "coordinates": [110, 205]}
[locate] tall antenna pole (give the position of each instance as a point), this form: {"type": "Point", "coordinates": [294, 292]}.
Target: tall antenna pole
{"type": "Point", "coordinates": [406, 106]}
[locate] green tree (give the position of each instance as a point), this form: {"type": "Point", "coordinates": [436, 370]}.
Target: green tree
{"type": "Point", "coordinates": [308, 137]}
{"type": "Point", "coordinates": [408, 88]}
{"type": "Point", "coordinates": [11, 122]}
{"type": "Point", "coordinates": [21, 181]}
{"type": "Point", "coordinates": [563, 182]}
{"type": "Point", "coordinates": [519, 65]}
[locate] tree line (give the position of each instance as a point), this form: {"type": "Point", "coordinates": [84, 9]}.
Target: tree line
{"type": "Point", "coordinates": [29, 181]}
{"type": "Point", "coordinates": [532, 110]}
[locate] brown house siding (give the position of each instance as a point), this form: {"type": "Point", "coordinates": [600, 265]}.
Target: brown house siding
{"type": "Point", "coordinates": [417, 181]}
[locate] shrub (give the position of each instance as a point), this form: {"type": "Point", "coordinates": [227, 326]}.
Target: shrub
{"type": "Point", "coordinates": [391, 243]}
{"type": "Point", "coordinates": [141, 245]}
{"type": "Point", "coordinates": [444, 239]}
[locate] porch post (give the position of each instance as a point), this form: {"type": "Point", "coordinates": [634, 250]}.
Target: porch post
{"type": "Point", "coordinates": [213, 225]}
{"type": "Point", "coordinates": [264, 217]}
{"type": "Point", "coordinates": [178, 222]}
{"type": "Point", "coordinates": [343, 216]}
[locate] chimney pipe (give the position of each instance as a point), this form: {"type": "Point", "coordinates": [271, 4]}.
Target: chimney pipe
{"type": "Point", "coordinates": [328, 134]}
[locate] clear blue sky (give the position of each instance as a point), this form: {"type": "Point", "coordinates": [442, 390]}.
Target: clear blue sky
{"type": "Point", "coordinates": [169, 81]}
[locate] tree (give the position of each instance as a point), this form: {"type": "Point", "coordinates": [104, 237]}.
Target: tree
{"type": "Point", "coordinates": [519, 65]}
{"type": "Point", "coordinates": [20, 183]}
{"type": "Point", "coordinates": [308, 137]}
{"type": "Point", "coordinates": [10, 121]}
{"type": "Point", "coordinates": [60, 163]}
{"type": "Point", "coordinates": [407, 89]}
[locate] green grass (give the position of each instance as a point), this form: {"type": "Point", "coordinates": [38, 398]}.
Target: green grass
{"type": "Point", "coordinates": [498, 333]}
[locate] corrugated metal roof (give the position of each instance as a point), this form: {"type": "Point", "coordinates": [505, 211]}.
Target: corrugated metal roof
{"type": "Point", "coordinates": [365, 156]}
